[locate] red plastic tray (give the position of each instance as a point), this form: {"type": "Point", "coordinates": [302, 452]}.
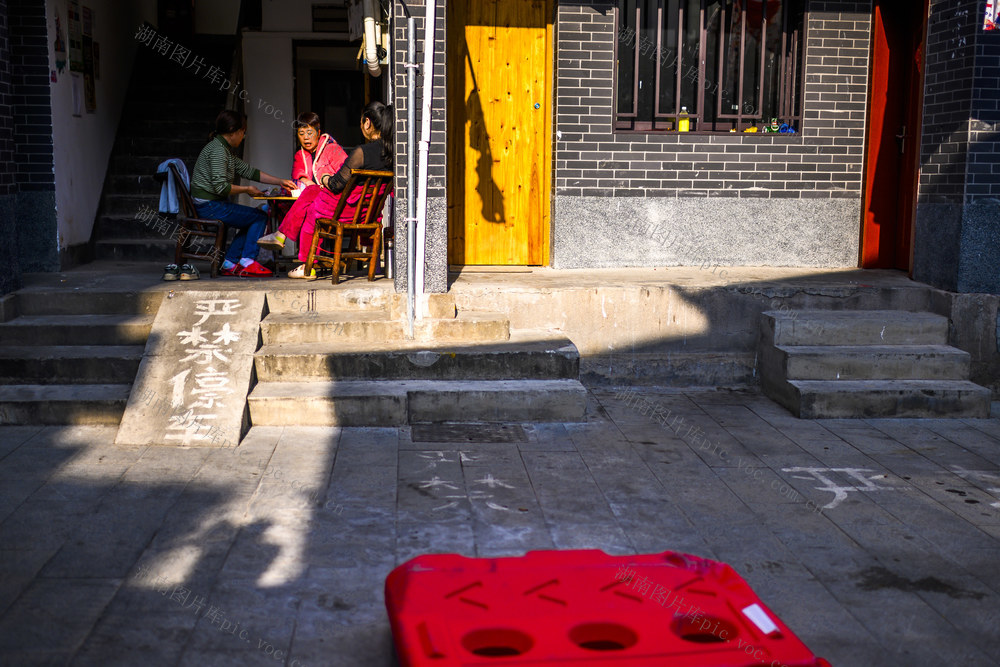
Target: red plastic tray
{"type": "Point", "coordinates": [587, 608]}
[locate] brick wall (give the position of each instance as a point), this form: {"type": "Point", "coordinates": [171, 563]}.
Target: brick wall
{"type": "Point", "coordinates": [822, 161]}
{"type": "Point", "coordinates": [7, 180]}
{"type": "Point", "coordinates": [436, 262]}
{"type": "Point", "coordinates": [983, 179]}
{"type": "Point", "coordinates": [957, 237]}
{"type": "Point", "coordinates": [727, 197]}
{"type": "Point", "coordinates": [948, 81]}
{"type": "Point", "coordinates": [31, 99]}
{"type": "Point", "coordinates": [9, 266]}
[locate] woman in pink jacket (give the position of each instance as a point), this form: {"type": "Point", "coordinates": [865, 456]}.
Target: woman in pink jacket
{"type": "Point", "coordinates": [320, 201]}
{"type": "Point", "coordinates": [320, 153]}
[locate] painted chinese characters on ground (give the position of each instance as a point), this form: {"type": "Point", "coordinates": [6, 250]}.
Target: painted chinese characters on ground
{"type": "Point", "coordinates": [198, 363]}
{"type": "Point", "coordinates": [198, 390]}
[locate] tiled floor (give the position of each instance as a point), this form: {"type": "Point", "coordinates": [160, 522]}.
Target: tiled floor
{"type": "Point", "coordinates": [877, 541]}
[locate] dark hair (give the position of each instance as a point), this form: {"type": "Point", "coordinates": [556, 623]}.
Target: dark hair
{"type": "Point", "coordinates": [310, 118]}
{"type": "Point", "coordinates": [228, 122]}
{"type": "Point", "coordinates": [381, 117]}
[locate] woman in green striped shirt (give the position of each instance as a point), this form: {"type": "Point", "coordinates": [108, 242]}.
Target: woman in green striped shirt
{"type": "Point", "coordinates": [212, 184]}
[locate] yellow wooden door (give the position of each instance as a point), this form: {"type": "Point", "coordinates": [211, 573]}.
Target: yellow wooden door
{"type": "Point", "coordinates": [499, 128]}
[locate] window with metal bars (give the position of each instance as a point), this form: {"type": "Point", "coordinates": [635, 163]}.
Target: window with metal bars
{"type": "Point", "coordinates": [730, 65]}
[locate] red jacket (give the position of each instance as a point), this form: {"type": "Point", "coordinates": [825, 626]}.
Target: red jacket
{"type": "Point", "coordinates": [328, 158]}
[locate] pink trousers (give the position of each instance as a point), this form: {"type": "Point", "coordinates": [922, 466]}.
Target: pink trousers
{"type": "Point", "coordinates": [300, 221]}
{"type": "Point", "coordinates": [314, 202]}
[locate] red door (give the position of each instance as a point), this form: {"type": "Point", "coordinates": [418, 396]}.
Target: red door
{"type": "Point", "coordinates": [892, 152]}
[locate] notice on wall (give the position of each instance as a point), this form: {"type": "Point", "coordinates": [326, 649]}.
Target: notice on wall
{"type": "Point", "coordinates": [75, 37]}
{"type": "Point", "coordinates": [990, 20]}
{"type": "Point", "coordinates": [60, 46]}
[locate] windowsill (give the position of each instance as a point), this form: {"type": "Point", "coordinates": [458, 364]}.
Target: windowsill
{"type": "Point", "coordinates": [694, 135]}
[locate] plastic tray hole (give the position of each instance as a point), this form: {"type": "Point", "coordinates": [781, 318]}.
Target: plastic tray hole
{"type": "Point", "coordinates": [497, 642]}
{"type": "Point", "coordinates": [707, 630]}
{"type": "Point", "coordinates": [603, 637]}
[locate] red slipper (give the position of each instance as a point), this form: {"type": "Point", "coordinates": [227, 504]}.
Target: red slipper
{"type": "Point", "coordinates": [255, 269]}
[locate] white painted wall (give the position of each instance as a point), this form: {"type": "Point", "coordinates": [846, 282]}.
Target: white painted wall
{"type": "Point", "coordinates": [82, 145]}
{"type": "Point", "coordinates": [287, 15]}
{"type": "Point", "coordinates": [267, 75]}
{"type": "Point", "coordinates": [216, 17]}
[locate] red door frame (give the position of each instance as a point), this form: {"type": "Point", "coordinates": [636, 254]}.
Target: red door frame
{"type": "Point", "coordinates": [892, 143]}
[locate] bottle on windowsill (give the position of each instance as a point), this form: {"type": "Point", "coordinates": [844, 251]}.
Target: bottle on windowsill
{"type": "Point", "coordinates": [683, 121]}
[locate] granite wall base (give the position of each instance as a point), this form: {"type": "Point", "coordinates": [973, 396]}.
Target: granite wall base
{"type": "Point", "coordinates": [957, 247]}
{"type": "Point", "coordinates": [436, 254]}
{"type": "Point", "coordinates": [595, 232]}
{"type": "Point", "coordinates": [37, 232]}
{"type": "Point", "coordinates": [10, 266]}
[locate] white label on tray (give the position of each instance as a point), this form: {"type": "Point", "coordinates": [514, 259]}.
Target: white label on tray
{"type": "Point", "coordinates": [760, 618]}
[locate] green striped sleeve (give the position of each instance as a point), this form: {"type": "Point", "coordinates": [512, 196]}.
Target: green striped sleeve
{"type": "Point", "coordinates": [245, 170]}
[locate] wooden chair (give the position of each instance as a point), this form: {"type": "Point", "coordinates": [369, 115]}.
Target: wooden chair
{"type": "Point", "coordinates": [191, 227]}
{"type": "Point", "coordinates": [375, 187]}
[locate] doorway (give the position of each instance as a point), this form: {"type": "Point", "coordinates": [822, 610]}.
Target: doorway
{"type": "Point", "coordinates": [892, 145]}
{"type": "Point", "coordinates": [329, 82]}
{"type": "Point", "coordinates": [499, 131]}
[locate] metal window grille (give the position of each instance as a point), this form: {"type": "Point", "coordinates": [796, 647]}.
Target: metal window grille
{"type": "Point", "coordinates": [731, 64]}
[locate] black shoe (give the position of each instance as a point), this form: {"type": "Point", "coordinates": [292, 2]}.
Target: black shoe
{"type": "Point", "coordinates": [172, 272]}
{"type": "Point", "coordinates": [188, 272]}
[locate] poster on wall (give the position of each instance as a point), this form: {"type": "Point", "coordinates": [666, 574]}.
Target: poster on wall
{"type": "Point", "coordinates": [75, 37]}
{"type": "Point", "coordinates": [990, 22]}
{"type": "Point", "coordinates": [60, 46]}
{"type": "Point", "coordinates": [90, 91]}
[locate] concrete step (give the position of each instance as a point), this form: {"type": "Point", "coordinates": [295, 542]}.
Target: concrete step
{"type": "Point", "coordinates": [127, 163]}
{"type": "Point", "coordinates": [860, 399]}
{"type": "Point", "coordinates": [76, 330]}
{"type": "Point", "coordinates": [129, 205]}
{"type": "Point", "coordinates": [111, 227]}
{"type": "Point", "coordinates": [153, 249]}
{"type": "Point", "coordinates": [322, 299]}
{"type": "Point", "coordinates": [376, 325]}
{"type": "Point", "coordinates": [79, 404]}
{"type": "Point", "coordinates": [872, 362]}
{"type": "Point", "coordinates": [853, 327]}
{"type": "Point", "coordinates": [45, 301]}
{"type": "Point", "coordinates": [73, 364]}
{"type": "Point", "coordinates": [172, 145]}
{"type": "Point", "coordinates": [395, 402]}
{"type": "Point", "coordinates": [520, 358]}
{"type": "Point", "coordinates": [132, 184]}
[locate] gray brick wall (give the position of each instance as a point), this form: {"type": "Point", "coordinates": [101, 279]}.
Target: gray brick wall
{"type": "Point", "coordinates": [957, 239]}
{"type": "Point", "coordinates": [8, 185]}
{"type": "Point", "coordinates": [436, 266]}
{"type": "Point", "coordinates": [30, 99]}
{"type": "Point", "coordinates": [823, 161]}
{"type": "Point", "coordinates": [983, 175]}
{"type": "Point", "coordinates": [728, 199]}
{"type": "Point", "coordinates": [948, 82]}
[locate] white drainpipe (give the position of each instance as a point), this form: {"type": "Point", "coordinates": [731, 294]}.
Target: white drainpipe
{"type": "Point", "coordinates": [425, 142]}
{"type": "Point", "coordinates": [371, 43]}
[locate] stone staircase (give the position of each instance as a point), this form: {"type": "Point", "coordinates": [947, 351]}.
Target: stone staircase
{"type": "Point", "coordinates": [860, 364]}
{"type": "Point", "coordinates": [169, 111]}
{"type": "Point", "coordinates": [347, 363]}
{"type": "Point", "coordinates": [70, 358]}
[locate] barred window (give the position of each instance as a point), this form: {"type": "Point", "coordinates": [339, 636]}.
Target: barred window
{"type": "Point", "coordinates": [731, 64]}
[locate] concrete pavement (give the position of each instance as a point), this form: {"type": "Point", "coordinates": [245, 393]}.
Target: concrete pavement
{"type": "Point", "coordinates": [877, 541]}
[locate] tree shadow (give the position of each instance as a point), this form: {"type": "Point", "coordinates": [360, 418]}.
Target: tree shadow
{"type": "Point", "coordinates": [490, 195]}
